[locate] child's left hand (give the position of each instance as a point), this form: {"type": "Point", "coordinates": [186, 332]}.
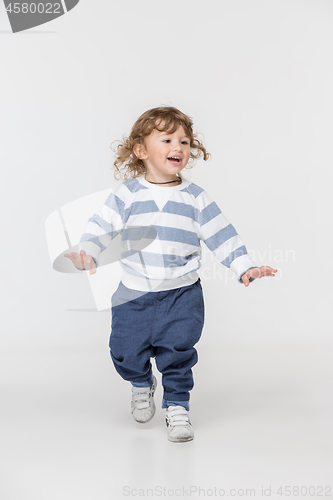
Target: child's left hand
{"type": "Point", "coordinates": [257, 272]}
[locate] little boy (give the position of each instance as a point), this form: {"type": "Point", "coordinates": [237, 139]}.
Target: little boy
{"type": "Point", "coordinates": [158, 307]}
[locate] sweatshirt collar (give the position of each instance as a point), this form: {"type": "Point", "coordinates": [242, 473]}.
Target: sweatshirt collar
{"type": "Point", "coordinates": [165, 189]}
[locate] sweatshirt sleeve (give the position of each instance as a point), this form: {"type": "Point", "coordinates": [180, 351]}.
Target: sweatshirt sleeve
{"type": "Point", "coordinates": [103, 226]}
{"type": "Point", "coordinates": [221, 238]}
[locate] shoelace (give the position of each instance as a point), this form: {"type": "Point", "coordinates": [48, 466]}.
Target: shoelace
{"type": "Point", "coordinates": [140, 397]}
{"type": "Point", "coordinates": [177, 415]}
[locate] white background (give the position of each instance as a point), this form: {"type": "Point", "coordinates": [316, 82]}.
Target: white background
{"type": "Point", "coordinates": [256, 77]}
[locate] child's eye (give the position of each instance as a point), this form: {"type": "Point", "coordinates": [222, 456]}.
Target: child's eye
{"type": "Point", "coordinates": [184, 142]}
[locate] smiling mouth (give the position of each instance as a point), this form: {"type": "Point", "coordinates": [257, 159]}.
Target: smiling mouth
{"type": "Point", "coordinates": [174, 160]}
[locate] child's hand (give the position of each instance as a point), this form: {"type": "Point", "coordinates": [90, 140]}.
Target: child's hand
{"type": "Point", "coordinates": [83, 261]}
{"type": "Point", "coordinates": [257, 272]}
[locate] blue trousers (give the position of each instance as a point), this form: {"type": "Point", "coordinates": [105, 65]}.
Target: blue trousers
{"type": "Point", "coordinates": [163, 325]}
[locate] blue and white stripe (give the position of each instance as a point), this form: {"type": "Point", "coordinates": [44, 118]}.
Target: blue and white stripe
{"type": "Point", "coordinates": [188, 216]}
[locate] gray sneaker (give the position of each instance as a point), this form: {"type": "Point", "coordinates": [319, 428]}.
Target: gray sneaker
{"type": "Point", "coordinates": [142, 404]}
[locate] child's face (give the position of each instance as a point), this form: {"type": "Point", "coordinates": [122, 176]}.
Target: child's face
{"type": "Point", "coordinates": [159, 147]}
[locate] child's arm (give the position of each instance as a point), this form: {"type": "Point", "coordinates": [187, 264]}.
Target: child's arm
{"type": "Point", "coordinates": [100, 230]}
{"type": "Point", "coordinates": [102, 227]}
{"type": "Point", "coordinates": [222, 239]}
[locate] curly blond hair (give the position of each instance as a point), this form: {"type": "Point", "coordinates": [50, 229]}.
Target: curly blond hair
{"type": "Point", "coordinates": [164, 119]}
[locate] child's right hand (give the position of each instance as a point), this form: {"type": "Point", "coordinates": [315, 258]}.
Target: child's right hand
{"type": "Point", "coordinates": [82, 261]}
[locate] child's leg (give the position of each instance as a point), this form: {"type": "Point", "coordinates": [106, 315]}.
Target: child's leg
{"type": "Point", "coordinates": [130, 339]}
{"type": "Point", "coordinates": [177, 328]}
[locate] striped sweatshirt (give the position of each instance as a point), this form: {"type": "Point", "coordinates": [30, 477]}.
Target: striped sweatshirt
{"type": "Point", "coordinates": [161, 229]}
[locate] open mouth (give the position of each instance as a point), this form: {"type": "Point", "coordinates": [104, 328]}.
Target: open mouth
{"type": "Point", "coordinates": [174, 160]}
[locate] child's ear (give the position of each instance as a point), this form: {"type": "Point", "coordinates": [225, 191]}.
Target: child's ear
{"type": "Point", "coordinates": [139, 151]}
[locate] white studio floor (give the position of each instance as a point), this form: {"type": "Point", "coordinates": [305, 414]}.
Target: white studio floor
{"type": "Point", "coordinates": [262, 418]}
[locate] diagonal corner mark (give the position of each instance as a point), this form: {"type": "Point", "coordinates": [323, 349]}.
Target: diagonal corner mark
{"type": "Point", "coordinates": [70, 4]}
{"type": "Point", "coordinates": [24, 15]}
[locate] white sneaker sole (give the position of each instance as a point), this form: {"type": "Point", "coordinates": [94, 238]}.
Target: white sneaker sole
{"type": "Point", "coordinates": [180, 440]}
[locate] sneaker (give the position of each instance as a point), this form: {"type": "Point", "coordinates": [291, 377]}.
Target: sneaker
{"type": "Point", "coordinates": [142, 404]}
{"type": "Point", "coordinates": [178, 424]}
